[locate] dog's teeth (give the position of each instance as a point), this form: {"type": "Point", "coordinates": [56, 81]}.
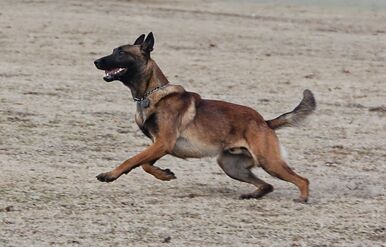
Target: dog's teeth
{"type": "Point", "coordinates": [114, 71]}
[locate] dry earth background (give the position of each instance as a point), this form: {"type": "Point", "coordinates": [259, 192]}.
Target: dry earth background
{"type": "Point", "coordinates": [61, 124]}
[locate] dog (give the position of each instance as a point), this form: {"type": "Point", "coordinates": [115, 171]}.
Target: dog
{"type": "Point", "coordinates": [182, 124]}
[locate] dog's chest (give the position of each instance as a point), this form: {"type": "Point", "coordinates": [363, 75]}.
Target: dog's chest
{"type": "Point", "coordinates": [147, 123]}
{"type": "Point", "coordinates": [143, 113]}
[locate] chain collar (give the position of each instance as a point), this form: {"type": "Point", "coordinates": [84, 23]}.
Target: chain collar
{"type": "Point", "coordinates": [139, 100]}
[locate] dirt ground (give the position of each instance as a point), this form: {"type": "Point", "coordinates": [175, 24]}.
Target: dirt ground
{"type": "Point", "coordinates": [61, 124]}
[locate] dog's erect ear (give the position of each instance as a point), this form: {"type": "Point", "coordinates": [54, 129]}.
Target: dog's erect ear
{"type": "Point", "coordinates": [139, 40]}
{"type": "Point", "coordinates": [147, 46]}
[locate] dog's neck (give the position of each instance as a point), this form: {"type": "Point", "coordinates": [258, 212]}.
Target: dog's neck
{"type": "Point", "coordinates": [151, 78]}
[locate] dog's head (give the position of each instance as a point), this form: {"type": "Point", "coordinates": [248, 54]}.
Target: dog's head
{"type": "Point", "coordinates": [127, 62]}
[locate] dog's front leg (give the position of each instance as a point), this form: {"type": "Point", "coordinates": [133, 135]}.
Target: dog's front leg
{"type": "Point", "coordinates": [154, 152]}
{"type": "Point", "coordinates": [161, 174]}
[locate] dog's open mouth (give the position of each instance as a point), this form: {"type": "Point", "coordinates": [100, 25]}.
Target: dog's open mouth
{"type": "Point", "coordinates": [113, 74]}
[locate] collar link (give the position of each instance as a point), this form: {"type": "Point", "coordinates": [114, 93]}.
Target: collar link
{"type": "Point", "coordinates": [149, 93]}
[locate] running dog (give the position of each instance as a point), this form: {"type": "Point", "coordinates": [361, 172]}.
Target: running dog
{"type": "Point", "coordinates": [182, 124]}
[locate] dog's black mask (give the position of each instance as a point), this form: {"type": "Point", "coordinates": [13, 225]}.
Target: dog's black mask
{"type": "Point", "coordinates": [127, 61]}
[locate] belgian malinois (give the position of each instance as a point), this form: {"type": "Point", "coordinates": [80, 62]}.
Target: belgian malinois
{"type": "Point", "coordinates": [182, 124]}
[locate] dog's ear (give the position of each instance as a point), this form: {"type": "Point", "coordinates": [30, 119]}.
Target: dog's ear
{"type": "Point", "coordinates": [147, 46]}
{"type": "Point", "coordinates": [139, 40]}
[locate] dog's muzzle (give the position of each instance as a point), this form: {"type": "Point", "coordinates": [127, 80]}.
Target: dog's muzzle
{"type": "Point", "coordinates": [110, 74]}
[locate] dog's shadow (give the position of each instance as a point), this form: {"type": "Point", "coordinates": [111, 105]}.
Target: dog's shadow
{"type": "Point", "coordinates": [206, 190]}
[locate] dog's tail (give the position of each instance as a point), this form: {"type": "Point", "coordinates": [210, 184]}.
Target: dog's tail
{"type": "Point", "coordinates": [305, 108]}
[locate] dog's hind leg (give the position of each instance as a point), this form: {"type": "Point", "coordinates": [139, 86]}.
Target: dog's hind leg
{"type": "Point", "coordinates": [265, 147]}
{"type": "Point", "coordinates": [280, 169]}
{"type": "Point", "coordinates": [237, 166]}
{"type": "Point", "coordinates": [161, 174]}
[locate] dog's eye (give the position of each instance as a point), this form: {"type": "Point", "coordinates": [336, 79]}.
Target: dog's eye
{"type": "Point", "coordinates": [121, 52]}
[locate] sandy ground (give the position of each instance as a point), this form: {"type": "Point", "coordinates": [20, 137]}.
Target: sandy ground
{"type": "Point", "coordinates": [61, 124]}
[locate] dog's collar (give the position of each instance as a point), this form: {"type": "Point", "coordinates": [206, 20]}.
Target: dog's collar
{"type": "Point", "coordinates": [139, 100]}
{"type": "Point", "coordinates": [144, 102]}
{"type": "Point", "coordinates": [147, 104]}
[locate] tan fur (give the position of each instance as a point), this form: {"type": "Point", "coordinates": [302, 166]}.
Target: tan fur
{"type": "Point", "coordinates": [182, 124]}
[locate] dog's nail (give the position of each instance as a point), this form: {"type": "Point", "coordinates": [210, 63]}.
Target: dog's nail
{"type": "Point", "coordinates": [100, 178]}
{"type": "Point", "coordinates": [301, 200]}
{"type": "Point", "coordinates": [245, 197]}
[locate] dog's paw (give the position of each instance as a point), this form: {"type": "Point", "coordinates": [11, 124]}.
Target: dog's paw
{"type": "Point", "coordinates": [258, 193]}
{"type": "Point", "coordinates": [247, 196]}
{"type": "Point", "coordinates": [106, 177]}
{"type": "Point", "coordinates": [167, 175]}
{"type": "Point", "coordinates": [301, 200]}
{"type": "Point", "coordinates": [170, 174]}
